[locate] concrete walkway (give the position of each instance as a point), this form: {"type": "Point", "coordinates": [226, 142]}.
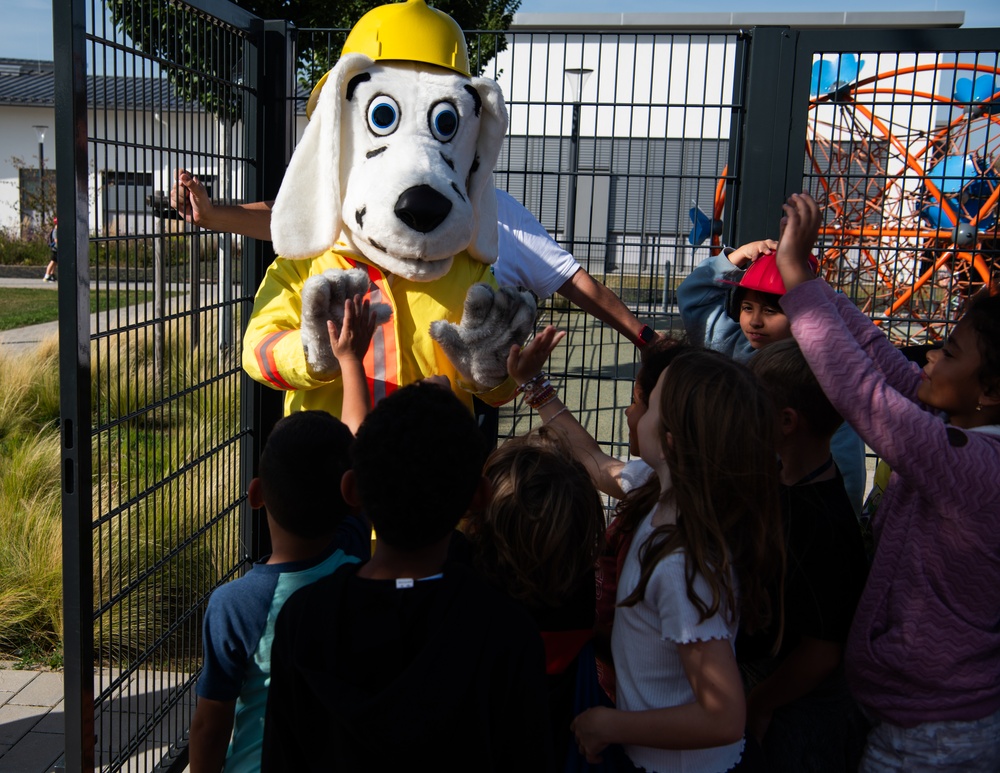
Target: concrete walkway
{"type": "Point", "coordinates": [23, 340]}
{"type": "Point", "coordinates": [32, 723]}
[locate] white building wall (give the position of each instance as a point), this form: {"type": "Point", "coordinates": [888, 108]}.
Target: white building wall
{"type": "Point", "coordinates": [137, 142]}
{"type": "Point", "coordinates": [635, 78]}
{"type": "Point", "coordinates": [19, 140]}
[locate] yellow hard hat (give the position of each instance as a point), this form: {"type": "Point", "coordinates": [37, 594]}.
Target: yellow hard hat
{"type": "Point", "coordinates": [408, 32]}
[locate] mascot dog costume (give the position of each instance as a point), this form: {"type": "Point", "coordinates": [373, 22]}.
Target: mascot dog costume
{"type": "Point", "coordinates": [390, 193]}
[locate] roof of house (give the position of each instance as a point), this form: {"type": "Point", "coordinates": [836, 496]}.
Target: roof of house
{"type": "Point", "coordinates": [31, 83]}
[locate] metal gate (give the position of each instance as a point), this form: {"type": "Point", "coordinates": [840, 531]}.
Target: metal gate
{"type": "Point", "coordinates": [896, 134]}
{"type": "Point", "coordinates": [160, 428]}
{"type": "Point", "coordinates": [614, 138]}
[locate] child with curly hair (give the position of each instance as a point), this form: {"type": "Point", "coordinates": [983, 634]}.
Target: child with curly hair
{"type": "Point", "coordinates": [537, 541]}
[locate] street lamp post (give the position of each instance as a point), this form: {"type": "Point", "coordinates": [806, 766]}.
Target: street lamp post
{"type": "Point", "coordinates": [40, 131]}
{"type": "Point", "coordinates": [575, 78]}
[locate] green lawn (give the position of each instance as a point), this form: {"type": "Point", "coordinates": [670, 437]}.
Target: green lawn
{"type": "Point", "coordinates": [21, 306]}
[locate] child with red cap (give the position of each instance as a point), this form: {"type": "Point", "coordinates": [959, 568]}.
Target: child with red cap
{"type": "Point", "coordinates": [730, 303]}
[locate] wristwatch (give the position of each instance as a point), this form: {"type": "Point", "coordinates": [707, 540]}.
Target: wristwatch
{"type": "Point", "coordinates": [646, 334]}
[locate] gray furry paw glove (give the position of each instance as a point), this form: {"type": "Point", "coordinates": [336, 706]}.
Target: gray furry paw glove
{"type": "Point", "coordinates": [323, 298]}
{"type": "Point", "coordinates": [492, 321]}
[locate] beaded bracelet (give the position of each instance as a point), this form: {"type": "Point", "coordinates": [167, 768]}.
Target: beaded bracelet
{"type": "Point", "coordinates": [535, 382]}
{"type": "Point", "coordinates": [540, 397]}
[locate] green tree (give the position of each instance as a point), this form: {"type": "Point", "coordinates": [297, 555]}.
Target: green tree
{"type": "Point", "coordinates": [199, 58]}
{"type": "Point", "coordinates": [37, 203]}
{"type": "Point", "coordinates": [319, 47]}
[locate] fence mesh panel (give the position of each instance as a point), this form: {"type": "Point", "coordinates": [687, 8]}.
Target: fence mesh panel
{"type": "Point", "coordinates": [902, 152]}
{"type": "Point", "coordinates": [168, 88]}
{"type": "Point", "coordinates": [614, 139]}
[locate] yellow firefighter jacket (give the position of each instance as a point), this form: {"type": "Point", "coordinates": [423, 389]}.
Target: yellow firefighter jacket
{"type": "Point", "coordinates": [402, 350]}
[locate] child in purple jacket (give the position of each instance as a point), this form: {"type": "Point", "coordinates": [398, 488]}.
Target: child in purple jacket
{"type": "Point", "coordinates": [923, 653]}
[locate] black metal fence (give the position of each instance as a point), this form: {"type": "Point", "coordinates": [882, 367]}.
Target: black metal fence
{"type": "Point", "coordinates": [159, 425]}
{"type": "Point", "coordinates": [896, 134]}
{"type": "Point", "coordinates": [614, 140]}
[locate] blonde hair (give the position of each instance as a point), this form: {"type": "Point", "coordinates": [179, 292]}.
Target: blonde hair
{"type": "Point", "coordinates": [725, 486]}
{"type": "Point", "coordinates": [540, 534]}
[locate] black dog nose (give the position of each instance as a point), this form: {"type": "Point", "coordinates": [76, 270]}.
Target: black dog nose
{"type": "Point", "coordinates": [422, 208]}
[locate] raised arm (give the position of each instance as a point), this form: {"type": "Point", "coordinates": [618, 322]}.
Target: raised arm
{"type": "Point", "coordinates": [886, 415]}
{"type": "Point", "coordinates": [350, 344]}
{"type": "Point", "coordinates": [745, 254]}
{"type": "Point", "coordinates": [802, 221]}
{"type": "Point", "coordinates": [525, 367]}
{"type": "Point", "coordinates": [598, 301]}
{"type": "Point", "coordinates": [191, 200]}
{"type": "Point", "coordinates": [531, 258]}
{"type": "Point", "coordinates": [702, 298]}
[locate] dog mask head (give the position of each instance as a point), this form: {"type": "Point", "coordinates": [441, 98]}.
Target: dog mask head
{"type": "Point", "coordinates": [396, 163]}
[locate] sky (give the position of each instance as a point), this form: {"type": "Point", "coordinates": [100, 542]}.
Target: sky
{"type": "Point", "coordinates": [978, 13]}
{"type": "Point", "coordinates": [26, 32]}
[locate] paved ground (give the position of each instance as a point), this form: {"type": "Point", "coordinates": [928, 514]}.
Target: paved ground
{"type": "Point", "coordinates": [20, 340]}
{"type": "Point", "coordinates": [32, 721]}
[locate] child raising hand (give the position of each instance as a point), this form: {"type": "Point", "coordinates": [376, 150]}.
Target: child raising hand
{"type": "Point", "coordinates": [923, 652]}
{"type": "Point", "coordinates": [700, 559]}
{"type": "Point", "coordinates": [350, 342]}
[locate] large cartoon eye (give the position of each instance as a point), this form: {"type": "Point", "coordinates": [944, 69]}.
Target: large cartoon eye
{"type": "Point", "coordinates": [443, 119]}
{"type": "Point", "coordinates": [383, 115]}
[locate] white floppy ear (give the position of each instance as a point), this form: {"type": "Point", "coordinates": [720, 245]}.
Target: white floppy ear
{"type": "Point", "coordinates": [482, 193]}
{"type": "Point", "coordinates": [305, 220]}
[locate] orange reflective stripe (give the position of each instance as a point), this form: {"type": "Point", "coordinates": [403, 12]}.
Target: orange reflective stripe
{"type": "Point", "coordinates": [265, 360]}
{"type": "Point", "coordinates": [381, 362]}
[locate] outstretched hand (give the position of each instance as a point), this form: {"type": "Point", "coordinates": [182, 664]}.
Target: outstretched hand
{"type": "Point", "coordinates": [749, 252]}
{"type": "Point", "coordinates": [190, 198]}
{"type": "Point", "coordinates": [524, 364]}
{"type": "Point", "coordinates": [798, 240]}
{"type": "Point", "coordinates": [352, 339]}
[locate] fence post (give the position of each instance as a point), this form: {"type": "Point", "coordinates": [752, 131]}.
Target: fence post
{"type": "Point", "coordinates": [271, 139]}
{"type": "Point", "coordinates": [762, 172]}
{"type": "Point", "coordinates": [69, 28]}
{"type": "Point", "coordinates": [159, 293]}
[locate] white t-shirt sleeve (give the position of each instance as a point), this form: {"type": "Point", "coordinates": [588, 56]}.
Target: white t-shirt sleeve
{"type": "Point", "coordinates": [528, 256]}
{"type": "Point", "coordinates": [679, 617]}
{"type": "Point", "coordinates": [634, 474]}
